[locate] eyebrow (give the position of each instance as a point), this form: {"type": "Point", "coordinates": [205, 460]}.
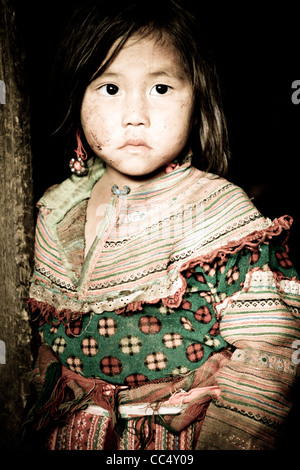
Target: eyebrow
{"type": "Point", "coordinates": [159, 73]}
{"type": "Point", "coordinates": [168, 73]}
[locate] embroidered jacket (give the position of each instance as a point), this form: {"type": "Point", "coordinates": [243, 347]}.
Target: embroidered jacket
{"type": "Point", "coordinates": [182, 270]}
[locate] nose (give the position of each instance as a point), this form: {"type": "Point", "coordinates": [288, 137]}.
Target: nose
{"type": "Point", "coordinates": [135, 110]}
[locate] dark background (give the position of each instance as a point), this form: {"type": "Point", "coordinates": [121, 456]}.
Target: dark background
{"type": "Point", "coordinates": [256, 47]}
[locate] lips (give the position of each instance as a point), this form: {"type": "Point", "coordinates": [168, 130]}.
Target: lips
{"type": "Point", "coordinates": [135, 146]}
{"type": "Point", "coordinates": [135, 143]}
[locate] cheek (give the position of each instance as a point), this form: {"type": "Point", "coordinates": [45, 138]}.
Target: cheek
{"type": "Point", "coordinates": [176, 119]}
{"type": "Point", "coordinates": [98, 140]}
{"type": "Point", "coordinates": [184, 122]}
{"type": "Point", "coordinates": [95, 127]}
{"type": "Point", "coordinates": [175, 128]}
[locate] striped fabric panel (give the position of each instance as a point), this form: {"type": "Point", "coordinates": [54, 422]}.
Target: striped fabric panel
{"type": "Point", "coordinates": [255, 391]}
{"type": "Point", "coordinates": [263, 325]}
{"type": "Point", "coordinates": [226, 429]}
{"type": "Point", "coordinates": [47, 257]}
{"type": "Point", "coordinates": [172, 238]}
{"type": "Point", "coordinates": [71, 231]}
{"type": "Point", "coordinates": [260, 315]}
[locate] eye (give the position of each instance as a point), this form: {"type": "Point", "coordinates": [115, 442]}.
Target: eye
{"type": "Point", "coordinates": [160, 89]}
{"type": "Point", "coordinates": [109, 89]}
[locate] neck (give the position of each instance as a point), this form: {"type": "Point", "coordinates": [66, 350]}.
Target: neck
{"type": "Point", "coordinates": [113, 177]}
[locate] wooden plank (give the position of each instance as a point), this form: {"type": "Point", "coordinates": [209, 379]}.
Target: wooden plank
{"type": "Point", "coordinates": [16, 230]}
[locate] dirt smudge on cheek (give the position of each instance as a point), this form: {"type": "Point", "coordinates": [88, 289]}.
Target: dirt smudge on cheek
{"type": "Point", "coordinates": [99, 141]}
{"type": "Point", "coordinates": [95, 142]}
{"type": "Point", "coordinates": [95, 127]}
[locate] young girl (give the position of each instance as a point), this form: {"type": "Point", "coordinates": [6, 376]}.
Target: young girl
{"type": "Point", "coordinates": [168, 307]}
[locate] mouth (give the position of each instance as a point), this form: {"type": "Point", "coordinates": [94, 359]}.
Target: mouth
{"type": "Point", "coordinates": [135, 146]}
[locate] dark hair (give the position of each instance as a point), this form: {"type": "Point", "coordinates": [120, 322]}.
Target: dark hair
{"type": "Point", "coordinates": [99, 25]}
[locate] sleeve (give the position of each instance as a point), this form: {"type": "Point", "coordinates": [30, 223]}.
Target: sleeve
{"type": "Point", "coordinates": [255, 294]}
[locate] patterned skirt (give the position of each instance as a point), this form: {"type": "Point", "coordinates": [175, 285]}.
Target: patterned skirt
{"type": "Point", "coordinates": [91, 414]}
{"type": "Point", "coordinates": [88, 430]}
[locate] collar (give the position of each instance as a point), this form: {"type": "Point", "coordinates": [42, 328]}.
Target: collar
{"type": "Point", "coordinates": [59, 199]}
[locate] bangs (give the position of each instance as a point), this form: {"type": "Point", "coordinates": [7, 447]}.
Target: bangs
{"type": "Point", "coordinates": [161, 36]}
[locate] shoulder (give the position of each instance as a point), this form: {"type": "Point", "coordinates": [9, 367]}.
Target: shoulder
{"type": "Point", "coordinates": [214, 190]}
{"type": "Point", "coordinates": [60, 198]}
{"type": "Point", "coordinates": [226, 219]}
{"type": "Point", "coordinates": [225, 212]}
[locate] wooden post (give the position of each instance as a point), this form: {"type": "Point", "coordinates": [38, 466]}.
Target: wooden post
{"type": "Point", "coordinates": [16, 231]}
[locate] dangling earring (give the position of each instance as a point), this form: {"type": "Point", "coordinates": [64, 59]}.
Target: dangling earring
{"type": "Point", "coordinates": [77, 165]}
{"type": "Point", "coordinates": [174, 165]}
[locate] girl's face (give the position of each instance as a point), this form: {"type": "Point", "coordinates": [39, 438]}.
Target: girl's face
{"type": "Point", "coordinates": [137, 115]}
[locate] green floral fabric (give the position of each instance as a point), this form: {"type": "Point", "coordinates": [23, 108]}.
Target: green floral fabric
{"type": "Point", "coordinates": [132, 348]}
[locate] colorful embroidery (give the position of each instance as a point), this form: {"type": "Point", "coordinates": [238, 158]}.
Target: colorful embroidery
{"type": "Point", "coordinates": [187, 225]}
{"type": "Point", "coordinates": [209, 313]}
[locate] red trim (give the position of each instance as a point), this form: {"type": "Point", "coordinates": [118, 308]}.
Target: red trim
{"type": "Point", "coordinates": [64, 316]}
